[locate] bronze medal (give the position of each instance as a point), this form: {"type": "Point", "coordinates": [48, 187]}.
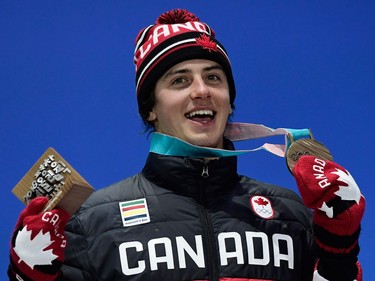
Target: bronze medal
{"type": "Point", "coordinates": [305, 147]}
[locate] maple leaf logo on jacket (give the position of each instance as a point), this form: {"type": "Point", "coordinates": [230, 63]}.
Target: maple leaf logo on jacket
{"type": "Point", "coordinates": [207, 43]}
{"type": "Point", "coordinates": [32, 251]}
{"type": "Point", "coordinates": [262, 206]}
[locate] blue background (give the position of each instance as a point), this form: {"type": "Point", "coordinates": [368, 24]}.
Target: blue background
{"type": "Point", "coordinates": [67, 81]}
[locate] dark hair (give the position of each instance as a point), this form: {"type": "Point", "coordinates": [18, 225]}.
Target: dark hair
{"type": "Point", "coordinates": [145, 106]}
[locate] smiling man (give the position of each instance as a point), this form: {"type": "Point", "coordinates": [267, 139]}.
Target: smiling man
{"type": "Point", "coordinates": [192, 103]}
{"type": "Point", "coordinates": [195, 218]}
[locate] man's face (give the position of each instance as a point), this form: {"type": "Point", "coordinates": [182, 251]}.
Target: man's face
{"type": "Point", "coordinates": [192, 103]}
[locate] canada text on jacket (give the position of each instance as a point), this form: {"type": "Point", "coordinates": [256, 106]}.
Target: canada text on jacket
{"type": "Point", "coordinates": [270, 246]}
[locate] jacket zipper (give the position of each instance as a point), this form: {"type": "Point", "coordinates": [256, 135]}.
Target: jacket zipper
{"type": "Point", "coordinates": [205, 173]}
{"type": "Point", "coordinates": [208, 231]}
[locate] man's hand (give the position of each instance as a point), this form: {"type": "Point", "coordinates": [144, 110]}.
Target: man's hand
{"type": "Point", "coordinates": [338, 206]}
{"type": "Point", "coordinates": [38, 243]}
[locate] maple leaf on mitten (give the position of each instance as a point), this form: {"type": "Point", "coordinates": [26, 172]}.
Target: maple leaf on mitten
{"type": "Point", "coordinates": [332, 192]}
{"type": "Point", "coordinates": [35, 252]}
{"type": "Point", "coordinates": [38, 243]}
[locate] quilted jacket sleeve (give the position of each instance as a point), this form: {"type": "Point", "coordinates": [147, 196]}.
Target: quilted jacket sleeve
{"type": "Point", "coordinates": [76, 266]}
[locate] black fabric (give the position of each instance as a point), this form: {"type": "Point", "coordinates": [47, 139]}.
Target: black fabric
{"type": "Point", "coordinates": [343, 243]}
{"type": "Point", "coordinates": [13, 272]}
{"type": "Point", "coordinates": [15, 275]}
{"type": "Point", "coordinates": [336, 268]}
{"type": "Point", "coordinates": [187, 210]}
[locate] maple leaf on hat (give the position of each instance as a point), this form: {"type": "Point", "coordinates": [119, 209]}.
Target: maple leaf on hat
{"type": "Point", "coordinates": [349, 192]}
{"type": "Point", "coordinates": [31, 251]}
{"type": "Point", "coordinates": [206, 42]}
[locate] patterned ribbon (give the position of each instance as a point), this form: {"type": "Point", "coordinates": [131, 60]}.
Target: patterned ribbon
{"type": "Point", "coordinates": [168, 145]}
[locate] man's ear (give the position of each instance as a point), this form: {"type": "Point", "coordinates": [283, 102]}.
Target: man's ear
{"type": "Point", "coordinates": [230, 109]}
{"type": "Point", "coordinates": [151, 116]}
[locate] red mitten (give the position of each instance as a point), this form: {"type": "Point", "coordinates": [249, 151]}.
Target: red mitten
{"type": "Point", "coordinates": [338, 206]}
{"type": "Point", "coordinates": [38, 243]}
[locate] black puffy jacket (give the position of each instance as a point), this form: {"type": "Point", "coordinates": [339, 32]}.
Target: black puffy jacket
{"type": "Point", "coordinates": [185, 218]}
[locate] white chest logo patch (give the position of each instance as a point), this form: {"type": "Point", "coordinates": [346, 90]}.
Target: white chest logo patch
{"type": "Point", "coordinates": [134, 212]}
{"type": "Point", "coordinates": [262, 206]}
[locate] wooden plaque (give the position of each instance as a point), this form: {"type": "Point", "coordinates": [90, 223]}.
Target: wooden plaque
{"type": "Point", "coordinates": [51, 176]}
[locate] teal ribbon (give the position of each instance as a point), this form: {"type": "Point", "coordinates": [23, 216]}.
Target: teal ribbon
{"type": "Point", "coordinates": [297, 134]}
{"type": "Point", "coordinates": [167, 145]}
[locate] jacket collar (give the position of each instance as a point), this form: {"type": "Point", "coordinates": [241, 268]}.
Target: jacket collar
{"type": "Point", "coordinates": [188, 175]}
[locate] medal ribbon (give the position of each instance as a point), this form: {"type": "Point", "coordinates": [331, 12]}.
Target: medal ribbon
{"type": "Point", "coordinates": [168, 145]}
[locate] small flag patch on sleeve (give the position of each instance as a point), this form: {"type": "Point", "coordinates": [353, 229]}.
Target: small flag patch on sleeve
{"type": "Point", "coordinates": [134, 212]}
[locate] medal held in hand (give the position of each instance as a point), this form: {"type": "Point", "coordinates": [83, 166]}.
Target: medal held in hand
{"type": "Point", "coordinates": [305, 146]}
{"type": "Point", "coordinates": [52, 177]}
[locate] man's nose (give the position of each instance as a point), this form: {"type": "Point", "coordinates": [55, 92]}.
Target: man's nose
{"type": "Point", "coordinates": [200, 89]}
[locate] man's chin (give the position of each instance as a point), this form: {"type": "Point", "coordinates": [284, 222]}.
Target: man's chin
{"type": "Point", "coordinates": [205, 141]}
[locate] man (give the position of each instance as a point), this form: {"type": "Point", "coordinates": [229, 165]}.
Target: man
{"type": "Point", "coordinates": [189, 217]}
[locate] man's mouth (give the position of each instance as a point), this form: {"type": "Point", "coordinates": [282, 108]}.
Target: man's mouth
{"type": "Point", "coordinates": [201, 115]}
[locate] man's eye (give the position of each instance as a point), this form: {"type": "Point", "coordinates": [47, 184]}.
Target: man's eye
{"type": "Point", "coordinates": [178, 80]}
{"type": "Point", "coordinates": [213, 77]}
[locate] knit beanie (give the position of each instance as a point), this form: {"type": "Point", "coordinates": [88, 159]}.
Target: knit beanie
{"type": "Point", "coordinates": [177, 36]}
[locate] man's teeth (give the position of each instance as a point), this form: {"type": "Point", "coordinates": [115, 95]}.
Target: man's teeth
{"type": "Point", "coordinates": [200, 113]}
